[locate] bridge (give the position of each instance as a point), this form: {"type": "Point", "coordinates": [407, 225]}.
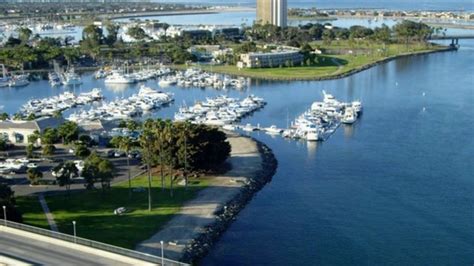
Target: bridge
{"type": "Point", "coordinates": [451, 37]}
{"type": "Point", "coordinates": [454, 38]}
{"type": "Point", "coordinates": [27, 245]}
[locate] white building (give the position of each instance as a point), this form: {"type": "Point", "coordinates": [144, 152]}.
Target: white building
{"type": "Point", "coordinates": [17, 131]}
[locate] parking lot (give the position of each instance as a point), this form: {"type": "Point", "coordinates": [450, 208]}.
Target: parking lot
{"type": "Point", "coordinates": [21, 186]}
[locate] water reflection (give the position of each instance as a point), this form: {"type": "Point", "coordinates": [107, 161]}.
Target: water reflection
{"type": "Point", "coordinates": [312, 147]}
{"type": "Point", "coordinates": [348, 131]}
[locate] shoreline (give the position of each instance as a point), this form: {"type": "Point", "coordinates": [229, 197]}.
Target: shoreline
{"type": "Point", "coordinates": [338, 75]}
{"type": "Point", "coordinates": [191, 233]}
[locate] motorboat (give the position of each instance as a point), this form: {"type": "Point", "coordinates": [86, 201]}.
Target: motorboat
{"type": "Point", "coordinates": [273, 130]}
{"type": "Point", "coordinates": [70, 78]}
{"type": "Point", "coordinates": [249, 128]}
{"type": "Point", "coordinates": [350, 116]}
{"type": "Point", "coordinates": [119, 78]}
{"type": "Point", "coordinates": [19, 81]}
{"type": "Point", "coordinates": [312, 134]}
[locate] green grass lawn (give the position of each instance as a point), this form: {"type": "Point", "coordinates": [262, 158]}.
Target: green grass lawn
{"type": "Point", "coordinates": [93, 211]}
{"type": "Point", "coordinates": [326, 67]}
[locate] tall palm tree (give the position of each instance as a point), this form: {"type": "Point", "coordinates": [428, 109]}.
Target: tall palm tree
{"type": "Point", "coordinates": [168, 133]}
{"type": "Point", "coordinates": [146, 143]}
{"type": "Point", "coordinates": [125, 144]}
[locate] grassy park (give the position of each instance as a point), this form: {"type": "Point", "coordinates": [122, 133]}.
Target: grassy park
{"type": "Point", "coordinates": [329, 65]}
{"type": "Point", "coordinates": [93, 211]}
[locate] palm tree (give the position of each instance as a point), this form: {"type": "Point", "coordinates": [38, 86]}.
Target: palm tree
{"type": "Point", "coordinates": [65, 172]}
{"type": "Point", "coordinates": [168, 133]}
{"type": "Point", "coordinates": [125, 144]}
{"type": "Point", "coordinates": [146, 142]}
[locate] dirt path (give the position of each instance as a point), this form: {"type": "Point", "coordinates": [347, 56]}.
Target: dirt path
{"type": "Point", "coordinates": [246, 161]}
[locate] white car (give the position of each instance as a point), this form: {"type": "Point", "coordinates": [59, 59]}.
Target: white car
{"type": "Point", "coordinates": [31, 165]}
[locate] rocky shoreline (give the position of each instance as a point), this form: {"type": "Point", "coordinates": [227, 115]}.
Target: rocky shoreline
{"type": "Point", "coordinates": [201, 245]}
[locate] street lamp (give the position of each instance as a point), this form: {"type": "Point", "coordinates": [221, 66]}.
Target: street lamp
{"type": "Point", "coordinates": [5, 214]}
{"type": "Point", "coordinates": [74, 229]}
{"type": "Point", "coordinates": [162, 254]}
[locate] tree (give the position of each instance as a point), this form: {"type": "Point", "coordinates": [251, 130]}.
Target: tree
{"type": "Point", "coordinates": [3, 144]}
{"type": "Point", "coordinates": [328, 36]}
{"type": "Point", "coordinates": [146, 142]}
{"type": "Point", "coordinates": [383, 34]}
{"type": "Point", "coordinates": [7, 199]}
{"type": "Point", "coordinates": [24, 34]}
{"type": "Point", "coordinates": [112, 32]}
{"type": "Point", "coordinates": [71, 55]}
{"type": "Point", "coordinates": [33, 138]}
{"type": "Point", "coordinates": [4, 116]}
{"type": "Point", "coordinates": [125, 144]}
{"type": "Point", "coordinates": [91, 40]}
{"type": "Point", "coordinates": [408, 30]}
{"type": "Point", "coordinates": [65, 172]}
{"type": "Point", "coordinates": [106, 173]}
{"type": "Point", "coordinates": [34, 175]}
{"type": "Point", "coordinates": [68, 131]}
{"type": "Point", "coordinates": [137, 33]}
{"type": "Point", "coordinates": [29, 150]}
{"type": "Point", "coordinates": [49, 136]}
{"type": "Point", "coordinates": [82, 151]}
{"type": "Point", "coordinates": [49, 149]}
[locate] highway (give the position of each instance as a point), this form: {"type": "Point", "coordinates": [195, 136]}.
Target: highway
{"type": "Point", "coordinates": [30, 251]}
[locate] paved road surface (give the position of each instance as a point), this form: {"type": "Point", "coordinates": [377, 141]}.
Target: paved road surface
{"type": "Point", "coordinates": [30, 251]}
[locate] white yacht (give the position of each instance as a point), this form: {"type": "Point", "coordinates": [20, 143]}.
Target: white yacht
{"type": "Point", "coordinates": [273, 130]}
{"type": "Point", "coordinates": [19, 81]}
{"type": "Point", "coordinates": [167, 82]}
{"type": "Point", "coordinates": [119, 78]}
{"type": "Point", "coordinates": [350, 116]}
{"type": "Point", "coordinates": [70, 78]}
{"type": "Point", "coordinates": [312, 133]}
{"type": "Point", "coordinates": [357, 105]}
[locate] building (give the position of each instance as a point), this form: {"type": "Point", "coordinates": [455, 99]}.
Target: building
{"type": "Point", "coordinates": [275, 58]}
{"type": "Point", "coordinates": [273, 12]}
{"type": "Point", "coordinates": [17, 132]}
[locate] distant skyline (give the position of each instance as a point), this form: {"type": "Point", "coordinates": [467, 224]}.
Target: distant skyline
{"type": "Point", "coordinates": [379, 4]}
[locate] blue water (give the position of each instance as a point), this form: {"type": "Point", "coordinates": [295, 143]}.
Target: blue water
{"type": "Point", "coordinates": [327, 4]}
{"type": "Point", "coordinates": [395, 188]}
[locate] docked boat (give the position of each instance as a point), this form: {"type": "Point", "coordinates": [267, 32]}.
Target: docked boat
{"type": "Point", "coordinates": [349, 116]}
{"type": "Point", "coordinates": [70, 78]}
{"type": "Point", "coordinates": [312, 134]}
{"type": "Point", "coordinates": [19, 81]}
{"type": "Point", "coordinates": [99, 74]}
{"type": "Point", "coordinates": [119, 78]}
{"type": "Point", "coordinates": [273, 130]}
{"type": "Point", "coordinates": [249, 128]}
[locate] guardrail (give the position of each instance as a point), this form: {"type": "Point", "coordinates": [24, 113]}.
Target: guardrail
{"type": "Point", "coordinates": [94, 244]}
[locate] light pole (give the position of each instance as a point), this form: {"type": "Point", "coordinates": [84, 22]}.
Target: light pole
{"type": "Point", "coordinates": [162, 254]}
{"type": "Point", "coordinates": [74, 229]}
{"type": "Point", "coordinates": [5, 214]}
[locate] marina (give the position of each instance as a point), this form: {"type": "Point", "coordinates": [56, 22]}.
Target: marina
{"type": "Point", "coordinates": [193, 77]}
{"type": "Point", "coordinates": [56, 104]}
{"type": "Point", "coordinates": [144, 101]}
{"type": "Point", "coordinates": [372, 168]}
{"type": "Point", "coordinates": [220, 111]}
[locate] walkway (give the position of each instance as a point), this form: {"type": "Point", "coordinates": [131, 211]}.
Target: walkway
{"type": "Point", "coordinates": [200, 212]}
{"type": "Point", "coordinates": [47, 212]}
{"type": "Point", "coordinates": [339, 66]}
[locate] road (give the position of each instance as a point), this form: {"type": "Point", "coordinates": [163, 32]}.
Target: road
{"type": "Point", "coordinates": [29, 251]}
